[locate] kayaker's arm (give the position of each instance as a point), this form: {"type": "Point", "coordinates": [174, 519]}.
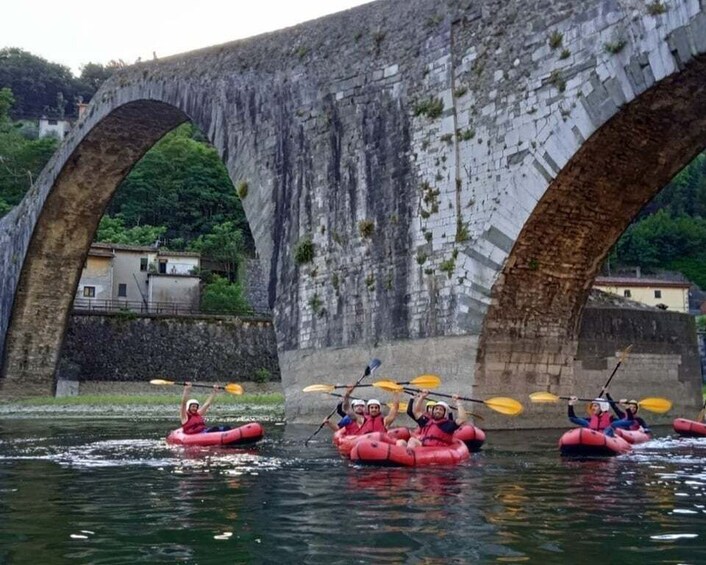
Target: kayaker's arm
{"type": "Point", "coordinates": [182, 408]}
{"type": "Point", "coordinates": [392, 414]}
{"type": "Point", "coordinates": [418, 407]}
{"type": "Point", "coordinates": [462, 416]}
{"type": "Point", "coordinates": [572, 415]}
{"type": "Point", "coordinates": [339, 410]}
{"type": "Point", "coordinates": [346, 403]}
{"type": "Point", "coordinates": [209, 400]}
{"type": "Point", "coordinates": [614, 405]}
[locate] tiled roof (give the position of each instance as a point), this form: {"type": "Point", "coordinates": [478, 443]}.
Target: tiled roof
{"type": "Point", "coordinates": [642, 281]}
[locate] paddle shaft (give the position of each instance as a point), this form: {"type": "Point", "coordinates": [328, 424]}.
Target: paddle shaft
{"type": "Point", "coordinates": [620, 362]}
{"type": "Point", "coordinates": [367, 372]}
{"type": "Point", "coordinates": [199, 385]}
{"type": "Point", "coordinates": [416, 390]}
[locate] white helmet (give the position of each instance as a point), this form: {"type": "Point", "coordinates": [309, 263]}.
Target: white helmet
{"type": "Point", "coordinates": [447, 408]}
{"type": "Point", "coordinates": [190, 402]}
{"type": "Point", "coordinates": [357, 402]}
{"type": "Point", "coordinates": [602, 404]}
{"type": "Point", "coordinates": [373, 401]}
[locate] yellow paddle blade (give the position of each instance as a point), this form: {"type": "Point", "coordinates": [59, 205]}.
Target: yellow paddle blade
{"type": "Point", "coordinates": [400, 406]}
{"type": "Point", "coordinates": [504, 405]}
{"type": "Point", "coordinates": [543, 397]}
{"type": "Point", "coordinates": [161, 382]}
{"type": "Point", "coordinates": [426, 381]}
{"type": "Point", "coordinates": [656, 404]}
{"type": "Point", "coordinates": [319, 388]}
{"type": "Point", "coordinates": [389, 386]}
{"type": "Point", "coordinates": [233, 388]}
{"type": "Point", "coordinates": [624, 353]}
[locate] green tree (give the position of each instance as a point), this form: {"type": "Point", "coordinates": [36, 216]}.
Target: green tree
{"type": "Point", "coordinates": [221, 296]}
{"type": "Point", "coordinates": [224, 244]}
{"type": "Point", "coordinates": [113, 230]}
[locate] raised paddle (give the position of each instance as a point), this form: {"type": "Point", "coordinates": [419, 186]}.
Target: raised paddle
{"type": "Point", "coordinates": [623, 355]}
{"type": "Point", "coordinates": [651, 404]}
{"type": "Point", "coordinates": [230, 387]}
{"type": "Point", "coordinates": [424, 381]}
{"type": "Point", "coordinates": [501, 404]}
{"type": "Point", "coordinates": [372, 366]}
{"type": "Point", "coordinates": [400, 405]}
{"type": "Point", "coordinates": [470, 414]}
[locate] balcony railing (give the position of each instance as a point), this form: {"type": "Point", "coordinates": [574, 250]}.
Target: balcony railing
{"type": "Point", "coordinates": [145, 307]}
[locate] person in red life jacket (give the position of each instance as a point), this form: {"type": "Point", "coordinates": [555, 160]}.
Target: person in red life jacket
{"type": "Point", "coordinates": [192, 414]}
{"type": "Point", "coordinates": [372, 419]}
{"type": "Point", "coordinates": [351, 425]}
{"type": "Point", "coordinates": [631, 421]}
{"type": "Point", "coordinates": [600, 420]}
{"type": "Point", "coordinates": [437, 428]}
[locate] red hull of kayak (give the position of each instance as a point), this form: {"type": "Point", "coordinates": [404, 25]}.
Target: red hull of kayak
{"type": "Point", "coordinates": [588, 443]}
{"type": "Point", "coordinates": [249, 433]}
{"type": "Point", "coordinates": [633, 436]}
{"type": "Point", "coordinates": [385, 454]}
{"type": "Point", "coordinates": [345, 442]}
{"type": "Point", "coordinates": [689, 428]}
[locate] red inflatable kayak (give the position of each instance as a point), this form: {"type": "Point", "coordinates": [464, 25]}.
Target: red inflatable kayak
{"type": "Point", "coordinates": [585, 442]}
{"type": "Point", "coordinates": [633, 436]}
{"type": "Point", "coordinates": [381, 453]}
{"type": "Point", "coordinates": [473, 437]}
{"type": "Point", "coordinates": [249, 433]}
{"type": "Point", "coordinates": [346, 442]}
{"type": "Point", "coordinates": [689, 428]}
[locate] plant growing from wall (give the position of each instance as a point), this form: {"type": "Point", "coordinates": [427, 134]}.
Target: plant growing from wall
{"type": "Point", "coordinates": [370, 282]}
{"type": "Point", "coordinates": [262, 376]}
{"type": "Point", "coordinates": [366, 228]}
{"type": "Point", "coordinates": [461, 231]}
{"type": "Point", "coordinates": [421, 258]}
{"type": "Point", "coordinates": [555, 39]}
{"type": "Point", "coordinates": [335, 282]}
{"type": "Point", "coordinates": [565, 54]}
{"type": "Point", "coordinates": [558, 81]}
{"type": "Point", "coordinates": [448, 266]}
{"type": "Point", "coordinates": [304, 251]}
{"type": "Point", "coordinates": [432, 108]}
{"type": "Point", "coordinates": [315, 304]}
{"type": "Point", "coordinates": [656, 8]}
{"type": "Point", "coordinates": [614, 47]}
{"type": "Point", "coordinates": [242, 189]}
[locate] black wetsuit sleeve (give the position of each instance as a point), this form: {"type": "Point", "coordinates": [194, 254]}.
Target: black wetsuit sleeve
{"type": "Point", "coordinates": [614, 405]}
{"type": "Point", "coordinates": [449, 427]}
{"type": "Point", "coordinates": [410, 409]}
{"type": "Point", "coordinates": [422, 421]}
{"type": "Point", "coordinates": [572, 414]}
{"type": "Point", "coordinates": [339, 409]}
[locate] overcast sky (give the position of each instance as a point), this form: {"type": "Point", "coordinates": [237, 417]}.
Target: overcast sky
{"type": "Point", "coordinates": [74, 34]}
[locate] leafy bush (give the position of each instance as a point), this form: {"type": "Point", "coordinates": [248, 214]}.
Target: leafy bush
{"type": "Point", "coordinates": [262, 375]}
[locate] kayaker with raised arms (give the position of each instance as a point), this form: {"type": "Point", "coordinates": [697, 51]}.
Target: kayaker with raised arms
{"type": "Point", "coordinates": [437, 428]}
{"type": "Point", "coordinates": [600, 420]}
{"type": "Point", "coordinates": [192, 413]}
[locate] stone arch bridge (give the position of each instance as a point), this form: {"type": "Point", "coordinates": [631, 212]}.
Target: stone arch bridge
{"type": "Point", "coordinates": [455, 171]}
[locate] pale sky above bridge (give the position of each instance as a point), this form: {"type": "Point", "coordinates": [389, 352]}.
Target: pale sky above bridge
{"type": "Point", "coordinates": [74, 34]}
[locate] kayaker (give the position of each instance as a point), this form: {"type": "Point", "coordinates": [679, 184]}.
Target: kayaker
{"type": "Point", "coordinates": [351, 425]}
{"type": "Point", "coordinates": [192, 413]}
{"type": "Point", "coordinates": [600, 420]}
{"type": "Point", "coordinates": [372, 419]}
{"type": "Point", "coordinates": [437, 428]}
{"type": "Point", "coordinates": [633, 421]}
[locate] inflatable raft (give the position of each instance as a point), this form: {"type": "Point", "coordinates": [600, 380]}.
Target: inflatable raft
{"type": "Point", "coordinates": [633, 436]}
{"type": "Point", "coordinates": [583, 442]}
{"type": "Point", "coordinates": [373, 452]}
{"type": "Point", "coordinates": [243, 435]}
{"type": "Point", "coordinates": [345, 442]}
{"type": "Point", "coordinates": [689, 428]}
{"type": "Point", "coordinates": [473, 437]}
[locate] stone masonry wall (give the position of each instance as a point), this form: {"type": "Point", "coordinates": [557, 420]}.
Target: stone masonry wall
{"type": "Point", "coordinates": [105, 347]}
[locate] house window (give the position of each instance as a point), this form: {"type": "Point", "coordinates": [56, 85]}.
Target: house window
{"type": "Point", "coordinates": [143, 263]}
{"type": "Point", "coordinates": [89, 291]}
{"type": "Point", "coordinates": [658, 294]}
{"type": "Point", "coordinates": [122, 290]}
{"type": "Point", "coordinates": [626, 294]}
{"type": "Point", "coordinates": [163, 266]}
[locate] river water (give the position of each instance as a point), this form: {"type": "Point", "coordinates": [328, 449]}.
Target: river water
{"type": "Point", "coordinates": [91, 491]}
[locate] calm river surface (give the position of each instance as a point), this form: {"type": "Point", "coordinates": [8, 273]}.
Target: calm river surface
{"type": "Point", "coordinates": [112, 491]}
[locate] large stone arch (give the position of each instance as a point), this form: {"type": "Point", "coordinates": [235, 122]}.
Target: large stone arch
{"type": "Point", "coordinates": [420, 148]}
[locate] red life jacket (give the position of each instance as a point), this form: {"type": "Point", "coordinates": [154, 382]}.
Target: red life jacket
{"type": "Point", "coordinates": [195, 424]}
{"type": "Point", "coordinates": [433, 436]}
{"type": "Point", "coordinates": [352, 428]}
{"type": "Point", "coordinates": [599, 423]}
{"type": "Point", "coordinates": [376, 424]}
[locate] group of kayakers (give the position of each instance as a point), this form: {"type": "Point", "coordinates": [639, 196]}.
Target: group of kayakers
{"type": "Point", "coordinates": [435, 421]}
{"type": "Point", "coordinates": [603, 421]}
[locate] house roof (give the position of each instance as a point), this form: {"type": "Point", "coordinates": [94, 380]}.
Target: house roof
{"type": "Point", "coordinates": [640, 282]}
{"type": "Point", "coordinates": [142, 248]}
